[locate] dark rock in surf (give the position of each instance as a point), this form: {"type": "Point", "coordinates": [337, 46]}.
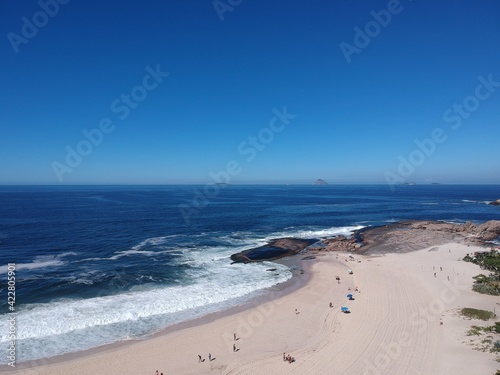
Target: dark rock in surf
{"type": "Point", "coordinates": [275, 249]}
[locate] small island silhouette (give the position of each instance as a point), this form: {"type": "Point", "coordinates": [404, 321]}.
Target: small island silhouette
{"type": "Point", "coordinates": [319, 181]}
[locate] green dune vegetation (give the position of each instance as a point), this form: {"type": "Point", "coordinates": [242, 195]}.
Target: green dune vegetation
{"type": "Point", "coordinates": [479, 314]}
{"type": "Point", "coordinates": [490, 261]}
{"type": "Point", "coordinates": [486, 337]}
{"type": "Point", "coordinates": [483, 338]}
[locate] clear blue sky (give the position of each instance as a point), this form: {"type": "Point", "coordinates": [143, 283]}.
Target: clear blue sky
{"type": "Point", "coordinates": [355, 121]}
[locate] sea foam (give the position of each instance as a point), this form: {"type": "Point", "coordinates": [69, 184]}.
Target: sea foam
{"type": "Point", "coordinates": [73, 325]}
{"type": "Point", "coordinates": [211, 283]}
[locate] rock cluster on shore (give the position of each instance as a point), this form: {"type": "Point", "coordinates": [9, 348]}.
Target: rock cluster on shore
{"type": "Point", "coordinates": [495, 203]}
{"type": "Point", "coordinates": [397, 237]}
{"type": "Point", "coordinates": [342, 243]}
{"type": "Point", "coordinates": [414, 235]}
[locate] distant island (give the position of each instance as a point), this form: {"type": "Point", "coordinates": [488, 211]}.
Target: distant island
{"type": "Point", "coordinates": [319, 181]}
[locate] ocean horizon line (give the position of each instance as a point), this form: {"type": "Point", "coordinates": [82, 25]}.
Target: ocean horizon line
{"type": "Point", "coordinates": [250, 184]}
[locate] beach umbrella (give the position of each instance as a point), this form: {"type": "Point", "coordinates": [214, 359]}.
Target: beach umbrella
{"type": "Point", "coordinates": [349, 296]}
{"type": "Point", "coordinates": [350, 271]}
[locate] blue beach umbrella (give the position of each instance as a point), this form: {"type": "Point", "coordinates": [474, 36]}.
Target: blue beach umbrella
{"type": "Point", "coordinates": [349, 296]}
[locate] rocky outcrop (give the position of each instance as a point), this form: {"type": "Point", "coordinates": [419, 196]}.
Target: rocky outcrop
{"type": "Point", "coordinates": [495, 203]}
{"type": "Point", "coordinates": [412, 235]}
{"type": "Point", "coordinates": [291, 244]}
{"type": "Point", "coordinates": [275, 249]}
{"type": "Point", "coordinates": [404, 236]}
{"type": "Point", "coordinates": [342, 243]}
{"type": "Point", "coordinates": [489, 231]}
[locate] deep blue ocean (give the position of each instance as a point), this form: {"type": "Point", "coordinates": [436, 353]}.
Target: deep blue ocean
{"type": "Point", "coordinates": [101, 264]}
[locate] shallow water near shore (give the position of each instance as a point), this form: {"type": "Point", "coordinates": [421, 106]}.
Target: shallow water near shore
{"type": "Point", "coordinates": [97, 265]}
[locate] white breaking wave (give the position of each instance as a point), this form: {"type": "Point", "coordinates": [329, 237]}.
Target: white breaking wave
{"type": "Point", "coordinates": [243, 238]}
{"type": "Point", "coordinates": [238, 241]}
{"type": "Point", "coordinates": [212, 284]}
{"type": "Point", "coordinates": [73, 325]}
{"type": "Point", "coordinates": [218, 285]}
{"type": "Point", "coordinates": [319, 233]}
{"type": "Point", "coordinates": [153, 241]}
{"type": "Point", "coordinates": [40, 262]}
{"type": "Point", "coordinates": [471, 201]}
{"type": "Point", "coordinates": [125, 253]}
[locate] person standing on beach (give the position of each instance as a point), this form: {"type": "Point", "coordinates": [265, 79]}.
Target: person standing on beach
{"type": "Point", "coordinates": [284, 356]}
{"type": "Point", "coordinates": [199, 360]}
{"type": "Point", "coordinates": [209, 357]}
{"type": "Point", "coordinates": [234, 347]}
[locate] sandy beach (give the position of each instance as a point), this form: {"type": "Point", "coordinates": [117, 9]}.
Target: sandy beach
{"type": "Point", "coordinates": [393, 326]}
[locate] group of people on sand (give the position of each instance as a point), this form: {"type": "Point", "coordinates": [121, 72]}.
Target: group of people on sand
{"type": "Point", "coordinates": [440, 268]}
{"type": "Point", "coordinates": [210, 358]}
{"type": "Point", "coordinates": [288, 358]}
